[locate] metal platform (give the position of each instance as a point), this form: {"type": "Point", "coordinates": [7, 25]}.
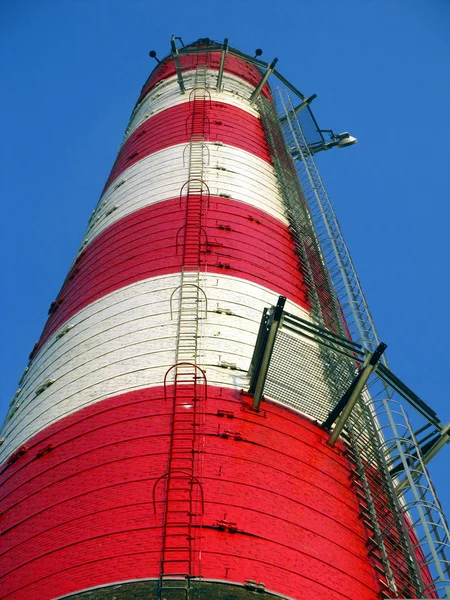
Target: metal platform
{"type": "Point", "coordinates": [310, 371]}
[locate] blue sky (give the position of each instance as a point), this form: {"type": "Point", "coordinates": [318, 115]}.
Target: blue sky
{"type": "Point", "coordinates": [71, 71]}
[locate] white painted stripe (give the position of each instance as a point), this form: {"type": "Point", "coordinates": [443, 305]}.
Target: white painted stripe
{"type": "Point", "coordinates": [227, 171]}
{"type": "Point", "coordinates": [126, 341]}
{"type": "Point", "coordinates": [166, 94]}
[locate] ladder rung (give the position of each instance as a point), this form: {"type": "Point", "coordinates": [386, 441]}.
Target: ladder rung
{"type": "Point", "coordinates": [182, 445]}
{"type": "Point", "coordinates": [186, 429]}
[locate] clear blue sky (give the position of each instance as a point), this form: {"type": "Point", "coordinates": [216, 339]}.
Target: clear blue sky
{"type": "Point", "coordinates": [71, 71]}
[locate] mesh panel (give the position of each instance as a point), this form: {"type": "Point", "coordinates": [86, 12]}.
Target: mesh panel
{"type": "Point", "coordinates": [306, 377]}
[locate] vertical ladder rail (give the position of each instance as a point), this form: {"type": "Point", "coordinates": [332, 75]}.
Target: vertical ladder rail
{"type": "Point", "coordinates": [184, 495]}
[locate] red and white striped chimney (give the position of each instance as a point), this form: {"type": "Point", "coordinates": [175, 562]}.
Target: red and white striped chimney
{"type": "Point", "coordinates": [132, 464]}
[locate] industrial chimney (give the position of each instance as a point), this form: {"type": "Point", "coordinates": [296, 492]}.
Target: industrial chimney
{"type": "Point", "coordinates": [209, 412]}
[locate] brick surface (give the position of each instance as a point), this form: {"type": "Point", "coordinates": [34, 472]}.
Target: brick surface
{"type": "Point", "coordinates": [90, 511]}
{"type": "Point", "coordinates": [228, 124]}
{"type": "Point", "coordinates": [233, 65]}
{"type": "Point", "coordinates": [144, 245]}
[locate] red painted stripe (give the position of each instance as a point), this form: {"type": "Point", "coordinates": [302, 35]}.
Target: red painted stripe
{"type": "Point", "coordinates": [224, 122]}
{"type": "Point", "coordinates": [82, 514]}
{"type": "Point", "coordinates": [257, 248]}
{"type": "Point", "coordinates": [233, 65]}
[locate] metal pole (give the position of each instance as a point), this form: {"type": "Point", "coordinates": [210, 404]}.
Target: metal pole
{"type": "Point", "coordinates": [222, 64]}
{"type": "Point", "coordinates": [362, 380]}
{"type": "Point", "coordinates": [268, 353]}
{"type": "Point", "coordinates": [177, 66]}
{"type": "Point", "coordinates": [256, 93]}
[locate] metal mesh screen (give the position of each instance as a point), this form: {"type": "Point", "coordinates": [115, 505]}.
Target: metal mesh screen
{"type": "Point", "coordinates": [306, 377]}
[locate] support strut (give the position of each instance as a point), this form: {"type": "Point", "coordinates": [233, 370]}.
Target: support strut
{"type": "Point", "coordinates": [254, 97]}
{"type": "Point", "coordinates": [222, 64]}
{"type": "Point", "coordinates": [344, 407]}
{"type": "Point", "coordinates": [306, 102]}
{"type": "Point", "coordinates": [428, 451]}
{"type": "Point", "coordinates": [267, 353]}
{"type": "Point", "coordinates": [177, 65]}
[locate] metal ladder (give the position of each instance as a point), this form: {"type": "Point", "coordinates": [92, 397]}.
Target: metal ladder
{"type": "Point", "coordinates": [388, 543]}
{"type": "Point", "coordinates": [334, 249]}
{"type": "Point", "coordinates": [184, 495]}
{"type": "Point", "coordinates": [321, 296]}
{"type": "Point", "coordinates": [180, 560]}
{"type": "Point", "coordinates": [197, 199]}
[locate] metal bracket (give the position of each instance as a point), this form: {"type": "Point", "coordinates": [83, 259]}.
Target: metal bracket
{"type": "Point", "coordinates": [177, 65]}
{"type": "Point", "coordinates": [222, 64]}
{"type": "Point", "coordinates": [263, 349]}
{"type": "Point", "coordinates": [344, 407]}
{"type": "Point", "coordinates": [306, 102]}
{"type": "Point", "coordinates": [428, 451]}
{"type": "Point", "coordinates": [254, 97]}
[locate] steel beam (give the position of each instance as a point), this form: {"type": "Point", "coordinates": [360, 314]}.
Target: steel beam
{"type": "Point", "coordinates": [254, 97]}
{"type": "Point", "coordinates": [258, 351]}
{"type": "Point", "coordinates": [177, 66]}
{"type": "Point", "coordinates": [262, 375]}
{"type": "Point", "coordinates": [222, 64]}
{"type": "Point", "coordinates": [306, 102]}
{"type": "Point", "coordinates": [344, 407]}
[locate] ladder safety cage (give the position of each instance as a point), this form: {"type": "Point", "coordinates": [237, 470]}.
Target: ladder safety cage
{"type": "Point", "coordinates": [177, 239]}
{"type": "Point", "coordinates": [335, 253]}
{"type": "Point", "coordinates": [202, 298]}
{"type": "Point", "coordinates": [204, 149]}
{"type": "Point", "coordinates": [321, 296]}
